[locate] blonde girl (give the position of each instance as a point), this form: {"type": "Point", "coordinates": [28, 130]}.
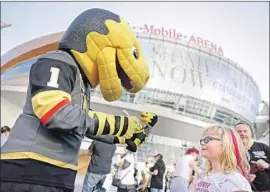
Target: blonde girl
{"type": "Point", "coordinates": [226, 166]}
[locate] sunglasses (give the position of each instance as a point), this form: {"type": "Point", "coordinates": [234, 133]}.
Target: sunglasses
{"type": "Point", "coordinates": [208, 139]}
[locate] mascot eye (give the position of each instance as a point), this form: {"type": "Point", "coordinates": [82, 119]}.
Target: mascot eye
{"type": "Point", "coordinates": [135, 52]}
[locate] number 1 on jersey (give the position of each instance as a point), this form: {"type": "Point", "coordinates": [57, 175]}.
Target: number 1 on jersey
{"type": "Point", "coordinates": [54, 77]}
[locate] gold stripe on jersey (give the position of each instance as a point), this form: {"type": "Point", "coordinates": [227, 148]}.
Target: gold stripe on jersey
{"type": "Point", "coordinates": [38, 157]}
{"type": "Point", "coordinates": [44, 102]}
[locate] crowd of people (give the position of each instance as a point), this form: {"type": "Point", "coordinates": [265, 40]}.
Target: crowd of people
{"type": "Point", "coordinates": [233, 161]}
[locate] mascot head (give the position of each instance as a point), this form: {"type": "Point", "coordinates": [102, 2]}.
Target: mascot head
{"type": "Point", "coordinates": [107, 52]}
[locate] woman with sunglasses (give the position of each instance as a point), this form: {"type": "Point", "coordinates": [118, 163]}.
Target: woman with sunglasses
{"type": "Point", "coordinates": [226, 163]}
{"type": "Point", "coordinates": [183, 170]}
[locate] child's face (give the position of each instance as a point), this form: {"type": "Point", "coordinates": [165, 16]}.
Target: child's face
{"type": "Point", "coordinates": [211, 147]}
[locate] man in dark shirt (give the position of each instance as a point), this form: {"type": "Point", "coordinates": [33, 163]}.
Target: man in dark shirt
{"type": "Point", "coordinates": [157, 174]}
{"type": "Point", "coordinates": [258, 157]}
{"type": "Point", "coordinates": [100, 165]}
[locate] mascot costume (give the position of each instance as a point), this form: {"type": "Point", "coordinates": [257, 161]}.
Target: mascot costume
{"type": "Point", "coordinates": [98, 48]}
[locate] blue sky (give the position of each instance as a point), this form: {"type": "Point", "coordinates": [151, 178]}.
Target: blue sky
{"type": "Point", "coordinates": [241, 28]}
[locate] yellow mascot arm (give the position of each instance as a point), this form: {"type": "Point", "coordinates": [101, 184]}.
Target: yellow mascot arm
{"type": "Point", "coordinates": [120, 126]}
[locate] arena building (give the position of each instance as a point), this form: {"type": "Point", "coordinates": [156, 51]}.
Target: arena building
{"type": "Point", "coordinates": [192, 85]}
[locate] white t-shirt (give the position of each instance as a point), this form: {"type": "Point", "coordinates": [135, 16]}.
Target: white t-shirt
{"type": "Point", "coordinates": [127, 175]}
{"type": "Point", "coordinates": [182, 167]}
{"type": "Point", "coordinates": [222, 182]}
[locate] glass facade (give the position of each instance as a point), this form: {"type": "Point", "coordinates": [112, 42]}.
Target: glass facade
{"type": "Point", "coordinates": [194, 73]}
{"type": "Point", "coordinates": [188, 82]}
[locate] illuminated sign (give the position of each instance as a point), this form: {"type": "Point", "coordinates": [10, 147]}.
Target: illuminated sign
{"type": "Point", "coordinates": [176, 35]}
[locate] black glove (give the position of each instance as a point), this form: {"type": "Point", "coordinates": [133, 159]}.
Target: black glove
{"type": "Point", "coordinates": [134, 138]}
{"type": "Point", "coordinates": [149, 118]}
{"type": "Point", "coordinates": [135, 141]}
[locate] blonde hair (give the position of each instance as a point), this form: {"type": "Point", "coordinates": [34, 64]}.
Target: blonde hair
{"type": "Point", "coordinates": [228, 159]}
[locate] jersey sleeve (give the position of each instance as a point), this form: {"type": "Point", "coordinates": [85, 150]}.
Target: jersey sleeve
{"type": "Point", "coordinates": [51, 83]}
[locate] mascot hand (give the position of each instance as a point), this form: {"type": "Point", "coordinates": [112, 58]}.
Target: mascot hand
{"type": "Point", "coordinates": [149, 118]}
{"type": "Point", "coordinates": [134, 126]}
{"type": "Point", "coordinates": [135, 141]}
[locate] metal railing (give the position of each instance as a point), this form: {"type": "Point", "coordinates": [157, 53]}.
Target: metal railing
{"type": "Point", "coordinates": [183, 105]}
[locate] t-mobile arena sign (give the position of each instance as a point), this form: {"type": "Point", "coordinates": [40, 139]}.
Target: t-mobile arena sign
{"type": "Point", "coordinates": [174, 34]}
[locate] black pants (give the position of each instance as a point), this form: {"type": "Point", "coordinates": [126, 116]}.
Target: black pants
{"type": "Point", "coordinates": [23, 187]}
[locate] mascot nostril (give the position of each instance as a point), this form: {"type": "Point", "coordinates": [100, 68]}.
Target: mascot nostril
{"type": "Point", "coordinates": [135, 52]}
{"type": "Point", "coordinates": [108, 52]}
